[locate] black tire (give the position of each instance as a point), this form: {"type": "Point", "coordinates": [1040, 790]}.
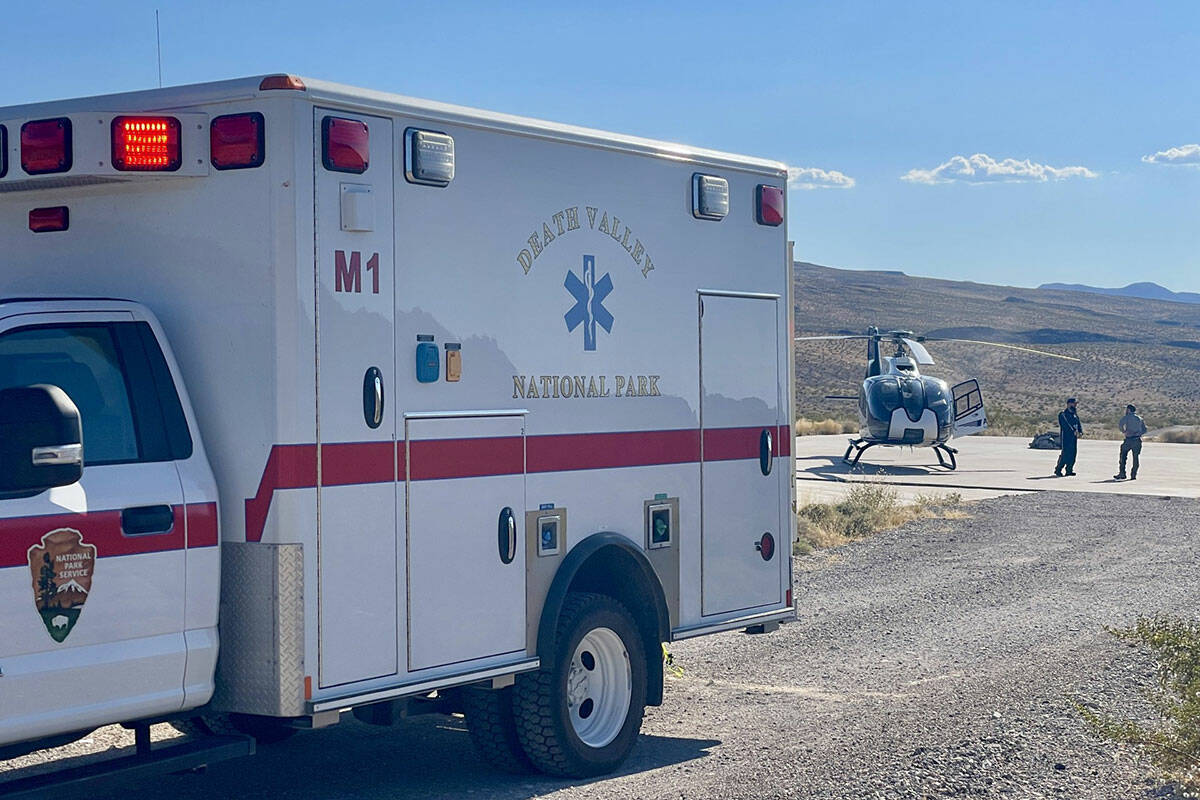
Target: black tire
{"type": "Point", "coordinates": [493, 730]}
{"type": "Point", "coordinates": [265, 730]}
{"type": "Point", "coordinates": [541, 707]}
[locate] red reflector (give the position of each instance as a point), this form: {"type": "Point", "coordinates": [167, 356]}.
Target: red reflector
{"type": "Point", "coordinates": [766, 546]}
{"type": "Point", "coordinates": [346, 145]}
{"type": "Point", "coordinates": [3, 151]}
{"type": "Point", "coordinates": [770, 205]}
{"type": "Point", "coordinates": [46, 146]}
{"type": "Point", "coordinates": [237, 141]}
{"type": "Point", "coordinates": [146, 144]}
{"type": "Point", "coordinates": [45, 220]}
{"type": "Point", "coordinates": [789, 597]}
{"type": "Point", "coordinates": [282, 82]}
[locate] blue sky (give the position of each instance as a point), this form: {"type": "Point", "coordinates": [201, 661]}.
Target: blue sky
{"type": "Point", "coordinates": [873, 92]}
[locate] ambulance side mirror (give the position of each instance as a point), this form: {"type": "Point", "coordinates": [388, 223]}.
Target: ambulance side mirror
{"type": "Point", "coordinates": [41, 442]}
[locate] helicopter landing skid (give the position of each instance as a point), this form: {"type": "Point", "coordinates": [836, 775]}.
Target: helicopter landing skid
{"type": "Point", "coordinates": [945, 453]}
{"type": "Point", "coordinates": [858, 447]}
{"type": "Point", "coordinates": [949, 451]}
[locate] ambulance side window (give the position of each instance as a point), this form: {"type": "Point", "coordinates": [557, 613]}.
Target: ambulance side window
{"type": "Point", "coordinates": [117, 377]}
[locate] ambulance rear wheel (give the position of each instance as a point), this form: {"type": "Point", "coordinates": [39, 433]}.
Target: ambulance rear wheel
{"type": "Point", "coordinates": [489, 715]}
{"type": "Point", "coordinates": [580, 715]}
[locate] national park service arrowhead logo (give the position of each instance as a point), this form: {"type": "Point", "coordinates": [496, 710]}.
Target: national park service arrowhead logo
{"type": "Point", "coordinates": [62, 568]}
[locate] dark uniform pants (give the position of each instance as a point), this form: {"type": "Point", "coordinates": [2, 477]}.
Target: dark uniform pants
{"type": "Point", "coordinates": [1067, 457]}
{"type": "Point", "coordinates": [1132, 444]}
{"type": "Point", "coordinates": [1070, 448]}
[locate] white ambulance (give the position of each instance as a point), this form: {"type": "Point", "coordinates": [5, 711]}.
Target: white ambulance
{"type": "Point", "coordinates": [316, 399]}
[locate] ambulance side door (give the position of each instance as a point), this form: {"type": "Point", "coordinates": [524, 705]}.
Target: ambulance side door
{"type": "Point", "coordinates": [92, 575]}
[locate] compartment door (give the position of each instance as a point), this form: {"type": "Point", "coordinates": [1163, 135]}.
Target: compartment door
{"type": "Point", "coordinates": [741, 478]}
{"type": "Point", "coordinates": [356, 539]}
{"type": "Point", "coordinates": [466, 541]}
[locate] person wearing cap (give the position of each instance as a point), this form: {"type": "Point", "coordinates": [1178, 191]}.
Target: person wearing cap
{"type": "Point", "coordinates": [1070, 430]}
{"type": "Point", "coordinates": [1134, 429]}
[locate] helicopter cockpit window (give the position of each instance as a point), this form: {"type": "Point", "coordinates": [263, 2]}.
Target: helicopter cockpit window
{"type": "Point", "coordinates": [937, 394]}
{"type": "Point", "coordinates": [883, 397]}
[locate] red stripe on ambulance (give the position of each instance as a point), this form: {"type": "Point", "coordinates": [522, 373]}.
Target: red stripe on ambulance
{"type": "Point", "coordinates": [294, 466]}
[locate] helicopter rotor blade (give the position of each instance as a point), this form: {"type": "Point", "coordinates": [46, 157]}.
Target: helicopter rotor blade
{"type": "Point", "coordinates": [841, 397]}
{"type": "Point", "coordinates": [833, 338]}
{"type": "Point", "coordinates": [998, 344]}
{"type": "Point", "coordinates": [919, 352]}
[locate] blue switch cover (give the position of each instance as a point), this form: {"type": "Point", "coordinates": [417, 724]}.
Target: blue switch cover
{"type": "Point", "coordinates": [428, 361]}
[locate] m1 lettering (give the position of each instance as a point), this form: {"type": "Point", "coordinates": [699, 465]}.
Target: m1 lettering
{"type": "Point", "coordinates": [348, 272]}
{"type": "Point", "coordinates": [373, 268]}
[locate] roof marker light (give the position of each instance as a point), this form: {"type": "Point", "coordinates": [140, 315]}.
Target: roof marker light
{"type": "Point", "coordinates": [282, 82]}
{"type": "Point", "coordinates": [770, 205]}
{"type": "Point", "coordinates": [146, 144]}
{"type": "Point", "coordinates": [47, 220]}
{"type": "Point", "coordinates": [238, 141]}
{"type": "Point", "coordinates": [345, 145]}
{"type": "Point", "coordinates": [46, 146]}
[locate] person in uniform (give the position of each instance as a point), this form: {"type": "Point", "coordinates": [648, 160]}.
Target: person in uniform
{"type": "Point", "coordinates": [1070, 430]}
{"type": "Point", "coordinates": [1134, 429]}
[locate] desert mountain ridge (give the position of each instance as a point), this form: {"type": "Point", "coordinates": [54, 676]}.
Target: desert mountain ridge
{"type": "Point", "coordinates": [1143, 289]}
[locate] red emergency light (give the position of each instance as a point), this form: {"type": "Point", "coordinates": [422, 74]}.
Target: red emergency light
{"type": "Point", "coordinates": [146, 144]}
{"type": "Point", "coordinates": [770, 205]}
{"type": "Point", "coordinates": [46, 146]}
{"type": "Point", "coordinates": [346, 145]}
{"type": "Point", "coordinates": [237, 141]}
{"type": "Point", "coordinates": [47, 220]}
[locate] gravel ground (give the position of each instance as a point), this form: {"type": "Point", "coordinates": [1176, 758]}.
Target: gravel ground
{"type": "Point", "coordinates": [939, 660]}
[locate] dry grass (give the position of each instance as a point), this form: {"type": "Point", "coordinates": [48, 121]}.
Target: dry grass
{"type": "Point", "coordinates": [1189, 436]}
{"type": "Point", "coordinates": [868, 508]}
{"type": "Point", "coordinates": [824, 427]}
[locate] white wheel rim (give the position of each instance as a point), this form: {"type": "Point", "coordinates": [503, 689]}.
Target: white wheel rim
{"type": "Point", "coordinates": [599, 687]}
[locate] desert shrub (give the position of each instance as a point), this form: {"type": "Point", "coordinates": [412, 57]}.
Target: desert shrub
{"type": "Point", "coordinates": [824, 427]}
{"type": "Point", "coordinates": [1174, 742]}
{"type": "Point", "coordinates": [939, 502]}
{"type": "Point", "coordinates": [866, 509]}
{"type": "Point", "coordinates": [1191, 436]}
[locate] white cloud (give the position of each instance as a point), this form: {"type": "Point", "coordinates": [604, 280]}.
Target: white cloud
{"type": "Point", "coordinates": [1187, 155]}
{"type": "Point", "coordinates": [816, 178]}
{"type": "Point", "coordinates": [982, 168]}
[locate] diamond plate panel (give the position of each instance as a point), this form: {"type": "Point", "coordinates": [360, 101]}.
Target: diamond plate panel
{"type": "Point", "coordinates": [261, 667]}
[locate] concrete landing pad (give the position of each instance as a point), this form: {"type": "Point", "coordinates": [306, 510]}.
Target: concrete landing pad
{"type": "Point", "coordinates": [1002, 464]}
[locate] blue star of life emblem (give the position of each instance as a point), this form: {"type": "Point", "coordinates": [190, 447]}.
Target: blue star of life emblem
{"type": "Point", "coordinates": [589, 309]}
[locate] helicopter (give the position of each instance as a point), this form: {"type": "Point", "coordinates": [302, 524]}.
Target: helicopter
{"type": "Point", "coordinates": [900, 407]}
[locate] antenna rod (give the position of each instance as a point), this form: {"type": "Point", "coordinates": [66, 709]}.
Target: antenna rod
{"type": "Point", "coordinates": [158, 43]}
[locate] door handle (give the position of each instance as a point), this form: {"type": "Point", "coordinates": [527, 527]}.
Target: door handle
{"type": "Point", "coordinates": [373, 398]}
{"type": "Point", "coordinates": [147, 520]}
{"type": "Point", "coordinates": [765, 446]}
{"type": "Point", "coordinates": [506, 535]}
